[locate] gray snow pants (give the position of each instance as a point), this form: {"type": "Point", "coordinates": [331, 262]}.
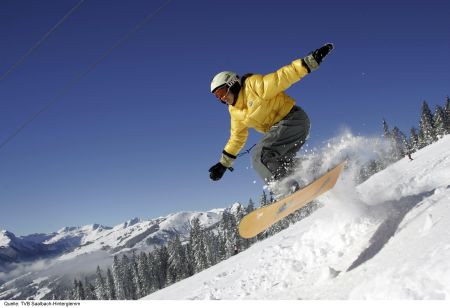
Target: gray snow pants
{"type": "Point", "coordinates": [273, 156]}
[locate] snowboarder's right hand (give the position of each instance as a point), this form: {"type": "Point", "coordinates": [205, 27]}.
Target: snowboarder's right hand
{"type": "Point", "coordinates": [216, 172]}
{"type": "Point", "coordinates": [314, 59]}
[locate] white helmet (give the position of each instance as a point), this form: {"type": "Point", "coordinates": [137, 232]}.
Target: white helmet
{"type": "Point", "coordinates": [224, 78]}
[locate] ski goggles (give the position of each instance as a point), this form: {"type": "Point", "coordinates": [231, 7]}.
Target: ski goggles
{"type": "Point", "coordinates": [221, 92]}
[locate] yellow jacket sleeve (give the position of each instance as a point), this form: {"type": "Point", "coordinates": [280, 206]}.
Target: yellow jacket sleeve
{"type": "Point", "coordinates": [238, 137]}
{"type": "Point", "coordinates": [268, 86]}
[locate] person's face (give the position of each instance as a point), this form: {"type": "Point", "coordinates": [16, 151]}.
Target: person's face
{"type": "Point", "coordinates": [224, 95]}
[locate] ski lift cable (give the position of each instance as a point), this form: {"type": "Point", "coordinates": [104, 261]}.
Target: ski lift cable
{"type": "Point", "coordinates": [39, 43]}
{"type": "Point", "coordinates": [77, 78]}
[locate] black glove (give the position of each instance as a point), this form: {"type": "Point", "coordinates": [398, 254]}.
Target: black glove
{"type": "Point", "coordinates": [314, 59]}
{"type": "Point", "coordinates": [216, 172]}
{"type": "Point", "coordinates": [322, 52]}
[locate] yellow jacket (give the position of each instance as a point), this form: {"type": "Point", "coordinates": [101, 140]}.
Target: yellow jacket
{"type": "Point", "coordinates": [262, 103]}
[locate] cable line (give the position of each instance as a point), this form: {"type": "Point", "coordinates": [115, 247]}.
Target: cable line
{"type": "Point", "coordinates": [35, 46]}
{"type": "Point", "coordinates": [75, 80]}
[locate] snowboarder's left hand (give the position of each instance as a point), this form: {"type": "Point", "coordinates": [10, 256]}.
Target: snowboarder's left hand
{"type": "Point", "coordinates": [216, 172]}
{"type": "Point", "coordinates": [316, 57]}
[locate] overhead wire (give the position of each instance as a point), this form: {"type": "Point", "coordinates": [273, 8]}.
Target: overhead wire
{"type": "Point", "coordinates": [77, 78]}
{"type": "Point", "coordinates": [39, 43]}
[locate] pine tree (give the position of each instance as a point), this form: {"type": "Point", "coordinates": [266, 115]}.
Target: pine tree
{"type": "Point", "coordinates": [190, 263]}
{"type": "Point", "coordinates": [177, 260]}
{"type": "Point", "coordinates": [447, 111]}
{"type": "Point", "coordinates": [228, 228]}
{"type": "Point", "coordinates": [78, 290]}
{"type": "Point", "coordinates": [368, 170]}
{"type": "Point", "coordinates": [89, 290]}
{"type": "Point", "coordinates": [197, 242]}
{"type": "Point", "coordinates": [74, 292]}
{"type": "Point", "coordinates": [153, 265]}
{"type": "Point", "coordinates": [110, 286]}
{"type": "Point", "coordinates": [264, 200]}
{"type": "Point", "coordinates": [427, 125]}
{"type": "Point", "coordinates": [81, 293]}
{"type": "Point", "coordinates": [118, 275]}
{"type": "Point", "coordinates": [400, 143]}
{"type": "Point", "coordinates": [138, 287]}
{"type": "Point", "coordinates": [441, 122]}
{"type": "Point", "coordinates": [163, 265]}
{"type": "Point", "coordinates": [239, 241]}
{"type": "Point", "coordinates": [414, 140]}
{"type": "Point", "coordinates": [212, 249]}
{"type": "Point", "coordinates": [394, 152]}
{"type": "Point", "coordinates": [221, 253]}
{"type": "Point", "coordinates": [145, 274]}
{"type": "Point", "coordinates": [100, 286]}
{"type": "Point", "coordinates": [386, 131]}
{"type": "Point", "coordinates": [421, 138]}
{"type": "Point", "coordinates": [128, 283]}
{"type": "Point", "coordinates": [250, 207]}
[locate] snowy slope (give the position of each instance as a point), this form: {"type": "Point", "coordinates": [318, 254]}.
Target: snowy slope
{"type": "Point", "coordinates": [388, 238]}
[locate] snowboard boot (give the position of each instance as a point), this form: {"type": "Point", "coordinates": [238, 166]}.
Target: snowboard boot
{"type": "Point", "coordinates": [281, 190]}
{"type": "Point", "coordinates": [293, 186]}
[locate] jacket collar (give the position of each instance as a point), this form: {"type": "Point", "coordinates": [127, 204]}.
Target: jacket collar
{"type": "Point", "coordinates": [240, 104]}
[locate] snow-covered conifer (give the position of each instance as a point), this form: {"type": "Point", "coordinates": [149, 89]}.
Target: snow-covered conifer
{"type": "Point", "coordinates": [138, 287]}
{"type": "Point", "coordinates": [158, 259]}
{"type": "Point", "coordinates": [229, 232]}
{"type": "Point", "coordinates": [447, 111]}
{"type": "Point", "coordinates": [400, 143]}
{"type": "Point", "coordinates": [110, 286]}
{"type": "Point", "coordinates": [250, 207]}
{"type": "Point", "coordinates": [386, 132]}
{"type": "Point", "coordinates": [128, 281]}
{"type": "Point", "coordinates": [100, 285]}
{"type": "Point", "coordinates": [264, 200]}
{"type": "Point", "coordinates": [118, 274]}
{"type": "Point", "coordinates": [144, 273]}
{"type": "Point", "coordinates": [197, 242]}
{"type": "Point", "coordinates": [427, 125]}
{"type": "Point", "coordinates": [177, 260]}
{"type": "Point", "coordinates": [413, 140]}
{"type": "Point", "coordinates": [78, 290]}
{"type": "Point", "coordinates": [221, 253]}
{"type": "Point", "coordinates": [190, 265]}
{"type": "Point", "coordinates": [89, 290]}
{"type": "Point", "coordinates": [153, 265]}
{"type": "Point", "coordinates": [163, 265]}
{"type": "Point", "coordinates": [441, 124]}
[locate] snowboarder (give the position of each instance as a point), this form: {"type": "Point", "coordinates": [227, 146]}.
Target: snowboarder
{"type": "Point", "coordinates": [259, 102]}
{"type": "Point", "coordinates": [236, 249]}
{"type": "Point", "coordinates": [408, 154]}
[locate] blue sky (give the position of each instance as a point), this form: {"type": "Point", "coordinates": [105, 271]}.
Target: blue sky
{"type": "Point", "coordinates": [136, 136]}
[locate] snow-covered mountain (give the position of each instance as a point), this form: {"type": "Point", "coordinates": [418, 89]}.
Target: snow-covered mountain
{"type": "Point", "coordinates": [31, 265]}
{"type": "Point", "coordinates": [387, 238]}
{"type": "Point", "coordinates": [38, 246]}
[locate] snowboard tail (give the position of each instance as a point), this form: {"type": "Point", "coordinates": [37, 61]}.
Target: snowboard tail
{"type": "Point", "coordinates": [260, 219]}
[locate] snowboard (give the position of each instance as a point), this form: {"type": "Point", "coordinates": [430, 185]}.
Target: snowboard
{"type": "Point", "coordinates": [262, 218]}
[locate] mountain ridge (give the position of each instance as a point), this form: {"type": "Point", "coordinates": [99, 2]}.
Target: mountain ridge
{"type": "Point", "coordinates": [25, 260]}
